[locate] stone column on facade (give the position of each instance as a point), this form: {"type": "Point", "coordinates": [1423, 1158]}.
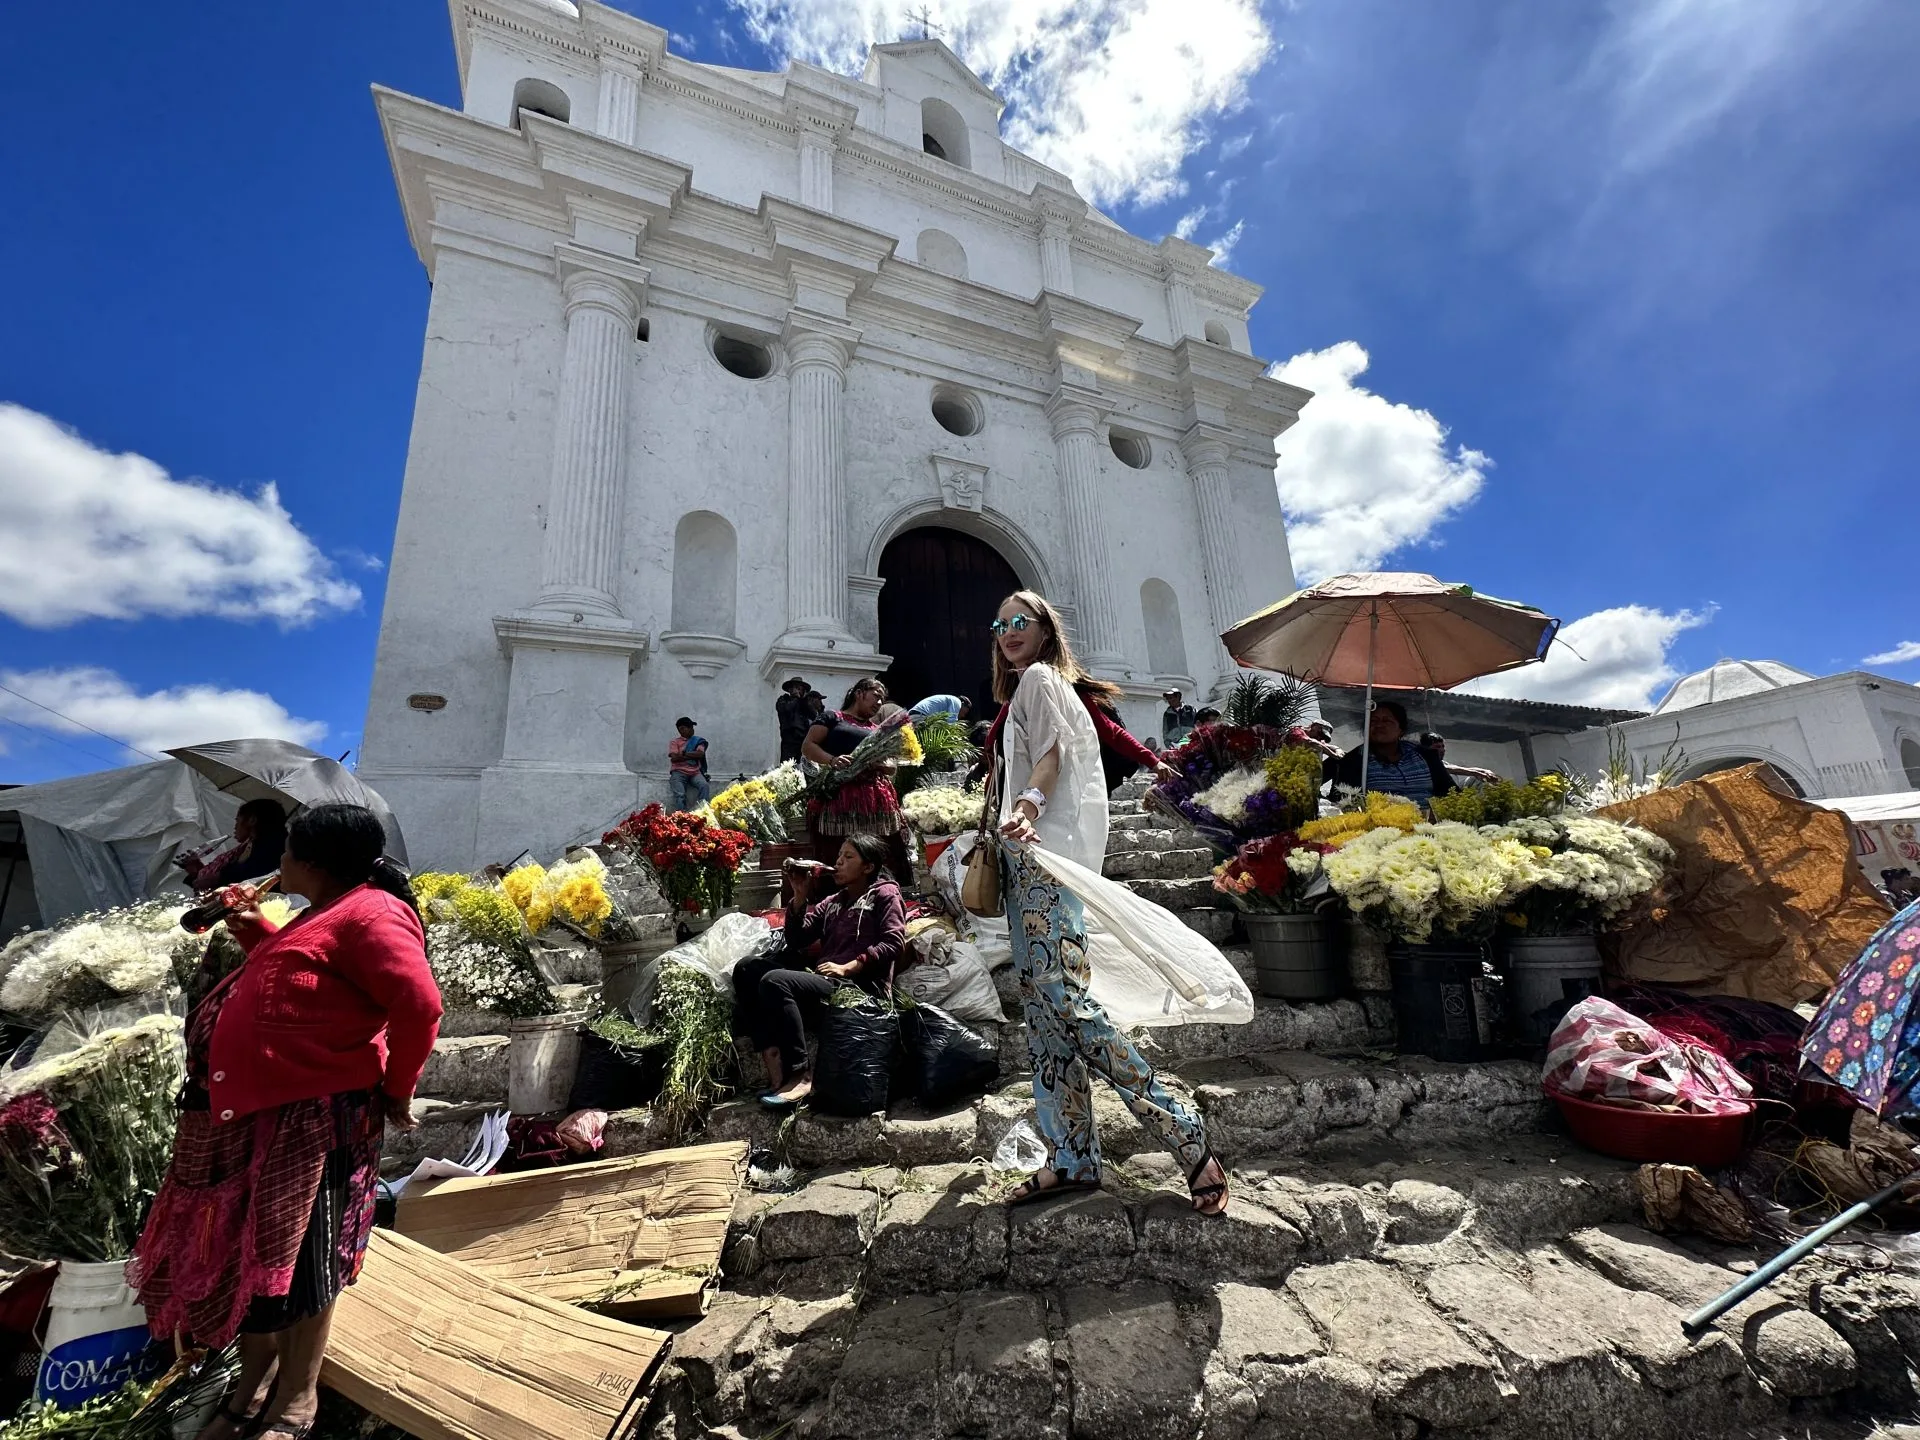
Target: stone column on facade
{"type": "Point", "coordinates": [619, 117]}
{"type": "Point", "coordinates": [1076, 433]}
{"type": "Point", "coordinates": [1056, 249]}
{"type": "Point", "coordinates": [1183, 312]}
{"type": "Point", "coordinates": [588, 475]}
{"type": "Point", "coordinates": [816, 170]}
{"type": "Point", "coordinates": [819, 350]}
{"type": "Point", "coordinates": [1207, 453]}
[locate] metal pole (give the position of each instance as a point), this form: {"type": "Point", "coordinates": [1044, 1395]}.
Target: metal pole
{"type": "Point", "coordinates": [1791, 1256]}
{"type": "Point", "coordinates": [1366, 711]}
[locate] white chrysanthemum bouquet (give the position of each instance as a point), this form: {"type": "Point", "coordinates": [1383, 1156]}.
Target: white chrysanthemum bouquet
{"type": "Point", "coordinates": [944, 809]}
{"type": "Point", "coordinates": [1589, 872]}
{"type": "Point", "coordinates": [1435, 883]}
{"type": "Point", "coordinates": [98, 959]}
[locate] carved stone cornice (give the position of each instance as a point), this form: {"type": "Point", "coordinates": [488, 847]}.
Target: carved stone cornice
{"type": "Point", "coordinates": [564, 630]}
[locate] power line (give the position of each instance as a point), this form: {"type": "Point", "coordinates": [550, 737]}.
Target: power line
{"type": "Point", "coordinates": [41, 732]}
{"type": "Point", "coordinates": [81, 724]}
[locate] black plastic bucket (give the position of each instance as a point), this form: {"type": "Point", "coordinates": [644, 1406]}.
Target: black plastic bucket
{"type": "Point", "coordinates": [1445, 1001]}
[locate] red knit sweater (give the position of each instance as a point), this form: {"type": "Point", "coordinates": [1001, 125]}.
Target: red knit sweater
{"type": "Point", "coordinates": [341, 999]}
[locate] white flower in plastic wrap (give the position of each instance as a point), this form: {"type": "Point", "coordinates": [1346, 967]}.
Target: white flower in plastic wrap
{"type": "Point", "coordinates": [118, 953]}
{"type": "Point", "coordinates": [1227, 797]}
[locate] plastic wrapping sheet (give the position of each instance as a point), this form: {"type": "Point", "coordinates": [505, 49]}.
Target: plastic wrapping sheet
{"type": "Point", "coordinates": [1763, 899]}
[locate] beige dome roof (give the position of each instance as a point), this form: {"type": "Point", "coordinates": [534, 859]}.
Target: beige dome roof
{"type": "Point", "coordinates": [1729, 680]}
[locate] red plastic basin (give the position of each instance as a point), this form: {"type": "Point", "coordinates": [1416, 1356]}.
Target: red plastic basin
{"type": "Point", "coordinates": [1705, 1142]}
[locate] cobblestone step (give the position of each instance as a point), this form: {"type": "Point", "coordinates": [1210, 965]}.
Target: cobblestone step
{"type": "Point", "coordinates": [1489, 1294]}
{"type": "Point", "coordinates": [1195, 863]}
{"type": "Point", "coordinates": [1131, 841]}
{"type": "Point", "coordinates": [472, 1067]}
{"type": "Point", "coordinates": [1275, 1103]}
{"type": "Point", "coordinates": [1191, 894]}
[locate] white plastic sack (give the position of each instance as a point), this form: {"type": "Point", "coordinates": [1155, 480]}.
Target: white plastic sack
{"type": "Point", "coordinates": [728, 941]}
{"type": "Point", "coordinates": [1148, 968]}
{"type": "Point", "coordinates": [960, 985]}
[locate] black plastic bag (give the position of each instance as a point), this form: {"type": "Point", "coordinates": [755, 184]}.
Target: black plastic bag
{"type": "Point", "coordinates": [945, 1061]}
{"type": "Point", "coordinates": [614, 1079]}
{"type": "Point", "coordinates": [852, 1071]}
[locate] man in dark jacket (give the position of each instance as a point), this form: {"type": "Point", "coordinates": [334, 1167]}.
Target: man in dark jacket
{"type": "Point", "coordinates": [1395, 765]}
{"type": "Point", "coordinates": [795, 718]}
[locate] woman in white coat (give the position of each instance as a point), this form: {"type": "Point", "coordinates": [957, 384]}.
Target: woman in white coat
{"type": "Point", "coordinates": [1053, 794]}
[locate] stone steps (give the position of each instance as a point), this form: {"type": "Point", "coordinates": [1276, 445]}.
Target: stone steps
{"type": "Point", "coordinates": [1169, 864]}
{"type": "Point", "coordinates": [1488, 1293]}
{"type": "Point", "coordinates": [1278, 1103]}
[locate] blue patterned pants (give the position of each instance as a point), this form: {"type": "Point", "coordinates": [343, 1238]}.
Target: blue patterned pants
{"type": "Point", "coordinates": [1070, 1037]}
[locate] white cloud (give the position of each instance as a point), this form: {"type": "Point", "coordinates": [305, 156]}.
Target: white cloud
{"type": "Point", "coordinates": [1224, 246]}
{"type": "Point", "coordinates": [1361, 477]}
{"type": "Point", "coordinates": [1625, 664]}
{"type": "Point", "coordinates": [96, 699]}
{"type": "Point", "coordinates": [1115, 93]}
{"type": "Point", "coordinates": [1185, 226]}
{"type": "Point", "coordinates": [1905, 653]}
{"type": "Point", "coordinates": [96, 536]}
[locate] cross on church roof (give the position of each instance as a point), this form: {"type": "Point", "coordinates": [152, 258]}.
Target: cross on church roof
{"type": "Point", "coordinates": [925, 21]}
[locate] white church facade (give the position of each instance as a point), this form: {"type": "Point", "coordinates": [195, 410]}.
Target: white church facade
{"type": "Point", "coordinates": [730, 377]}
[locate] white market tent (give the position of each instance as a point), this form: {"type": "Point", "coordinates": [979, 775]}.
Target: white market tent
{"type": "Point", "coordinates": [1886, 830]}
{"type": "Point", "coordinates": [109, 838]}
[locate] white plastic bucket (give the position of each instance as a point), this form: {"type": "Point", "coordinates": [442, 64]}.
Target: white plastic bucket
{"type": "Point", "coordinates": [543, 1052]}
{"type": "Point", "coordinates": [97, 1337]}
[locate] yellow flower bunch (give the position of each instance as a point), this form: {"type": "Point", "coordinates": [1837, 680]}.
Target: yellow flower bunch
{"type": "Point", "coordinates": [574, 890]}
{"type": "Point", "coordinates": [1382, 812]}
{"type": "Point", "coordinates": [1294, 775]}
{"type": "Point", "coordinates": [910, 751]}
{"type": "Point", "coordinates": [527, 888]}
{"type": "Point", "coordinates": [483, 911]}
{"type": "Point", "coordinates": [580, 892]}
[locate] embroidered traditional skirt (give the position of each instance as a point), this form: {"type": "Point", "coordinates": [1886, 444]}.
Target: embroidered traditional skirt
{"type": "Point", "coordinates": [261, 1221]}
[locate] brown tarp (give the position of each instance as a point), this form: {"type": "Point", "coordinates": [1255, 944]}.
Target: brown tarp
{"type": "Point", "coordinates": [441, 1351]}
{"type": "Point", "coordinates": [1763, 899]}
{"type": "Point", "coordinates": [638, 1237]}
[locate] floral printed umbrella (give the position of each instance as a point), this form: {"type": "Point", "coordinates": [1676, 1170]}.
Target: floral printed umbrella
{"type": "Point", "coordinates": [1864, 1037]}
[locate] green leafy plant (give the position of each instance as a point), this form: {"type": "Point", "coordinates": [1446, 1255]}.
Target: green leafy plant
{"type": "Point", "coordinates": [695, 1021]}
{"type": "Point", "coordinates": [134, 1412]}
{"type": "Point", "coordinates": [1281, 702]}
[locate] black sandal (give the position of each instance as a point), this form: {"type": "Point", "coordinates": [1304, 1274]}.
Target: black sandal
{"type": "Point", "coordinates": [1030, 1189]}
{"type": "Point", "coordinates": [1205, 1193]}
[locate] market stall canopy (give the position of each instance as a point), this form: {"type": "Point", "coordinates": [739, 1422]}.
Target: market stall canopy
{"type": "Point", "coordinates": [1421, 633]}
{"type": "Point", "coordinates": [292, 774]}
{"type": "Point", "coordinates": [106, 839]}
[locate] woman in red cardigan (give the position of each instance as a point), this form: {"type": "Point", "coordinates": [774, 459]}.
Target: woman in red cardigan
{"type": "Point", "coordinates": [296, 1063]}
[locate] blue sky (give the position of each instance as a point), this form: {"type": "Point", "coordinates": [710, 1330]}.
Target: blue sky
{"type": "Point", "coordinates": [1611, 308]}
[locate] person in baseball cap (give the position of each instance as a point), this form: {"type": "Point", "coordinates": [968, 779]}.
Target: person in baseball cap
{"type": "Point", "coordinates": [1176, 721]}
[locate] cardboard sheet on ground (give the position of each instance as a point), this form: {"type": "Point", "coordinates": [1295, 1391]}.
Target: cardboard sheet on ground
{"type": "Point", "coordinates": [1763, 899]}
{"type": "Point", "coordinates": [445, 1353]}
{"type": "Point", "coordinates": [638, 1237]}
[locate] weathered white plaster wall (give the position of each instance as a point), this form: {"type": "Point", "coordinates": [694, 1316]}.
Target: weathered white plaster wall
{"type": "Point", "coordinates": [487, 208]}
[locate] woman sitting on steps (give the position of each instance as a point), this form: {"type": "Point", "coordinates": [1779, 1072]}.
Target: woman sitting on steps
{"type": "Point", "coordinates": [851, 937]}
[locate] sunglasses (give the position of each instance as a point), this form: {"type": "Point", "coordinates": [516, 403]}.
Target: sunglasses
{"type": "Point", "coordinates": [1017, 623]}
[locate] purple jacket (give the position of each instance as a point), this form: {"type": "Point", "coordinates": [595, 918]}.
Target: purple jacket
{"type": "Point", "coordinates": [868, 933]}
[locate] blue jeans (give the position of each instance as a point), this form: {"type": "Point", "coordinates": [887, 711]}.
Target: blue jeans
{"type": "Point", "coordinates": [1069, 1036]}
{"type": "Point", "coordinates": [689, 791]}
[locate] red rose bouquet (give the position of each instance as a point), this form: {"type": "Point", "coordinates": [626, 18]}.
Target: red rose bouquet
{"type": "Point", "coordinates": [695, 861]}
{"type": "Point", "coordinates": [1276, 875]}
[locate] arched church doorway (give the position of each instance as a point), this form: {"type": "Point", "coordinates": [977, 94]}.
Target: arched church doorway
{"type": "Point", "coordinates": [942, 589]}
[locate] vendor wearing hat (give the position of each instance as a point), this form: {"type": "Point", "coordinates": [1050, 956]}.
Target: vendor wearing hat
{"type": "Point", "coordinates": [1177, 720]}
{"type": "Point", "coordinates": [796, 718]}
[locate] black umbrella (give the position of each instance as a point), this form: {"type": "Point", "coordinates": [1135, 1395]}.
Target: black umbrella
{"type": "Point", "coordinates": [291, 774]}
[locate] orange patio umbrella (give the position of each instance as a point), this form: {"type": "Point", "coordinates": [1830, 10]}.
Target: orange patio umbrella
{"type": "Point", "coordinates": [1400, 629]}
